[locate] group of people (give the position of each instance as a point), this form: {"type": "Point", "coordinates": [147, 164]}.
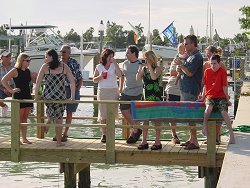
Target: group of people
{"type": "Point", "coordinates": [63, 80]}
{"type": "Point", "coordinates": [190, 80]}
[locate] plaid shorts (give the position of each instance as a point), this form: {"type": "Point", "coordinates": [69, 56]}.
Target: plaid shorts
{"type": "Point", "coordinates": [219, 104]}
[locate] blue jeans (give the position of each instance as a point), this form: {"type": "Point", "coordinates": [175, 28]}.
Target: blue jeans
{"type": "Point", "coordinates": [188, 97]}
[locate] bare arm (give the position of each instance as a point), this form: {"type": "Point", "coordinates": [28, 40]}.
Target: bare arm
{"type": "Point", "coordinates": [39, 79]}
{"type": "Point", "coordinates": [79, 84]}
{"type": "Point", "coordinates": [71, 80]}
{"type": "Point", "coordinates": [97, 76]}
{"type": "Point", "coordinates": [140, 72]}
{"type": "Point", "coordinates": [121, 82]}
{"type": "Point", "coordinates": [225, 89]}
{"type": "Point", "coordinates": [117, 68]}
{"type": "Point", "coordinates": [154, 73]}
{"type": "Point", "coordinates": [11, 74]}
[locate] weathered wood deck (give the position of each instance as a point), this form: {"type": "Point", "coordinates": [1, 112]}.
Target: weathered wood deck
{"type": "Point", "coordinates": [93, 151]}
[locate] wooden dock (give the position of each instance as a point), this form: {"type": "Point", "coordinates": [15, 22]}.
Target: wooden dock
{"type": "Point", "coordinates": [93, 151]}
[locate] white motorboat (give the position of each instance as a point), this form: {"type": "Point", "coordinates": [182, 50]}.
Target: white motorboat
{"type": "Point", "coordinates": [162, 51]}
{"type": "Point", "coordinates": [39, 38]}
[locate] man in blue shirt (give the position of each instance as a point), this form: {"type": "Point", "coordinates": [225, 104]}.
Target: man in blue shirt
{"type": "Point", "coordinates": [191, 81]}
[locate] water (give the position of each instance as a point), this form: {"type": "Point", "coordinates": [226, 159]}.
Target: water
{"type": "Point", "coordinates": [44, 175]}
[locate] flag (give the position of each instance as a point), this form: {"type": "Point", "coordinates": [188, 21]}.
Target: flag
{"type": "Point", "coordinates": [170, 33]}
{"type": "Point", "coordinates": [137, 34]}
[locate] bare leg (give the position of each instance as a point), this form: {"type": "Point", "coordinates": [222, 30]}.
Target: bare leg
{"type": "Point", "coordinates": [127, 115]}
{"type": "Point", "coordinates": [144, 134]}
{"type": "Point", "coordinates": [229, 126]}
{"type": "Point", "coordinates": [59, 132]}
{"type": "Point", "coordinates": [193, 135]}
{"type": "Point", "coordinates": [157, 134]}
{"type": "Point", "coordinates": [207, 113]}
{"type": "Point", "coordinates": [104, 129]}
{"type": "Point", "coordinates": [173, 130]}
{"type": "Point", "coordinates": [218, 127]}
{"type": "Point", "coordinates": [68, 121]}
{"type": "Point", "coordinates": [24, 113]}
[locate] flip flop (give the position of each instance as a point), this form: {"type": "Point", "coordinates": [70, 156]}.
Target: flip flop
{"type": "Point", "coordinates": [191, 146]}
{"type": "Point", "coordinates": [27, 142]}
{"type": "Point", "coordinates": [185, 143]}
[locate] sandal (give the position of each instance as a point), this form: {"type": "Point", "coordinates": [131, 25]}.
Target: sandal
{"type": "Point", "coordinates": [63, 139]}
{"type": "Point", "coordinates": [103, 139]}
{"type": "Point", "coordinates": [176, 140]}
{"type": "Point", "coordinates": [156, 147]}
{"type": "Point", "coordinates": [143, 146]}
{"type": "Point", "coordinates": [191, 146]}
{"type": "Point", "coordinates": [134, 137]}
{"type": "Point", "coordinates": [185, 143]}
{"type": "Point", "coordinates": [27, 142]}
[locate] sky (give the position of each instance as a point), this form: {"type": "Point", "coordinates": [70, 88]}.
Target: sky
{"type": "Point", "coordinates": [83, 14]}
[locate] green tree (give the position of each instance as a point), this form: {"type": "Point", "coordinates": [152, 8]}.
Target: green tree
{"type": "Point", "coordinates": [245, 21]}
{"type": "Point", "coordinates": [156, 39]}
{"type": "Point", "coordinates": [88, 35]}
{"type": "Point", "coordinates": [3, 43]}
{"type": "Point", "coordinates": [115, 36]}
{"type": "Point", "coordinates": [72, 36]}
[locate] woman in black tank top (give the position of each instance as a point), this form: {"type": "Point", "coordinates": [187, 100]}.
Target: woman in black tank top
{"type": "Point", "coordinates": [22, 78]}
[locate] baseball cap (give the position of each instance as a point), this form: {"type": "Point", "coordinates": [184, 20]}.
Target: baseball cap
{"type": "Point", "coordinates": [5, 53]}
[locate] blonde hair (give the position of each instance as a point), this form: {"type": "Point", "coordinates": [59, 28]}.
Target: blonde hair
{"type": "Point", "coordinates": [19, 62]}
{"type": "Point", "coordinates": [151, 57]}
{"type": "Point", "coordinates": [214, 50]}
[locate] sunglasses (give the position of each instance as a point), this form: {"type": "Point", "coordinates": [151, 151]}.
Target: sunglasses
{"type": "Point", "coordinates": [7, 56]}
{"type": "Point", "coordinates": [27, 60]}
{"type": "Point", "coordinates": [63, 52]}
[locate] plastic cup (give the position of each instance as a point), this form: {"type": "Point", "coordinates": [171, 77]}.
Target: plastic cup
{"type": "Point", "coordinates": [105, 75]}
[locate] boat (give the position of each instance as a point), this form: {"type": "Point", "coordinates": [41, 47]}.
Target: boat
{"type": "Point", "coordinates": [162, 51]}
{"type": "Point", "coordinates": [39, 38]}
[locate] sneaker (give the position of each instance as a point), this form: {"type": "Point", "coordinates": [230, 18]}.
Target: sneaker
{"type": "Point", "coordinates": [4, 111]}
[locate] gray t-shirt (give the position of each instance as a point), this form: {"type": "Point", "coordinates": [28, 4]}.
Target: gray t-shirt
{"type": "Point", "coordinates": [131, 86]}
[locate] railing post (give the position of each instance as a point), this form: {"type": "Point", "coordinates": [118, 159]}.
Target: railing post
{"type": "Point", "coordinates": [15, 131]}
{"type": "Point", "coordinates": [40, 119]}
{"type": "Point", "coordinates": [211, 144]}
{"type": "Point", "coordinates": [211, 171]}
{"type": "Point", "coordinates": [110, 125]}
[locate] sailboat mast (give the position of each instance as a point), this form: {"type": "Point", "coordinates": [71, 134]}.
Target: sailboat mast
{"type": "Point", "coordinates": [207, 22]}
{"type": "Point", "coordinates": [10, 36]}
{"type": "Point", "coordinates": [149, 33]}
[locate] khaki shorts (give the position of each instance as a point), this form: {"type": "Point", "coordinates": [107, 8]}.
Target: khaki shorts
{"type": "Point", "coordinates": [219, 104]}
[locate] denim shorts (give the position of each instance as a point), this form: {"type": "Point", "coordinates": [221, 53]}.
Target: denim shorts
{"type": "Point", "coordinates": [219, 104]}
{"type": "Point", "coordinates": [72, 107]}
{"type": "Point", "coordinates": [125, 97]}
{"type": "Point", "coordinates": [2, 95]}
{"type": "Point", "coordinates": [188, 97]}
